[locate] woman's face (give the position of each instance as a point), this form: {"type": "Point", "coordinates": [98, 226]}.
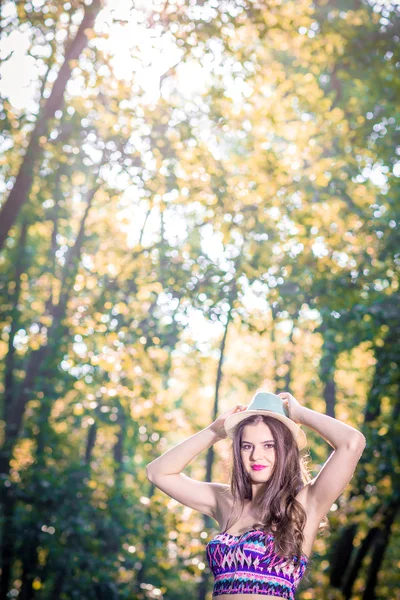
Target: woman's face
{"type": "Point", "coordinates": [258, 448]}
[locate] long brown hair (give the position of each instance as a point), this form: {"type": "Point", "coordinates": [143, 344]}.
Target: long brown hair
{"type": "Point", "coordinates": [280, 513]}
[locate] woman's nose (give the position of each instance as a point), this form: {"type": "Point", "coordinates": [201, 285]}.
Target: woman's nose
{"type": "Point", "coordinates": [257, 457]}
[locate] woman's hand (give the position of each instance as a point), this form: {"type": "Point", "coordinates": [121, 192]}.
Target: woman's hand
{"type": "Point", "coordinates": [218, 425]}
{"type": "Point", "coordinates": [293, 407]}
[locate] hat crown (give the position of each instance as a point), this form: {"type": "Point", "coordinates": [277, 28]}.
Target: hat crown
{"type": "Point", "coordinates": [272, 405]}
{"type": "Point", "coordinates": [268, 401]}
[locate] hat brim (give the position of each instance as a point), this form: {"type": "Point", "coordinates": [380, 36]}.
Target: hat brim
{"type": "Point", "coordinates": [233, 420]}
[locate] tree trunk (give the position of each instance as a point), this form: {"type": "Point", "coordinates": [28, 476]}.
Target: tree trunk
{"type": "Point", "coordinates": [90, 442]}
{"type": "Point", "coordinates": [23, 183]}
{"type": "Point", "coordinates": [288, 357]}
{"type": "Point", "coordinates": [8, 540]}
{"type": "Point", "coordinates": [351, 575]}
{"type": "Point", "coordinates": [17, 409]}
{"type": "Point", "coordinates": [373, 539]}
{"type": "Point", "coordinates": [381, 542]}
{"type": "Point", "coordinates": [203, 585]}
{"type": "Point", "coordinates": [30, 554]}
{"type": "Point", "coordinates": [21, 265]}
{"type": "Point", "coordinates": [29, 565]}
{"type": "Point", "coordinates": [341, 555]}
{"type": "Point", "coordinates": [330, 397]}
{"type": "Point", "coordinates": [118, 448]}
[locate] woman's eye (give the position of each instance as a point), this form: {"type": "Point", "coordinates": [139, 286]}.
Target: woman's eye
{"type": "Point", "coordinates": [268, 446]}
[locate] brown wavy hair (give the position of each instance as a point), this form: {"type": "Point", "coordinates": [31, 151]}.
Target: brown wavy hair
{"type": "Point", "coordinates": [281, 514]}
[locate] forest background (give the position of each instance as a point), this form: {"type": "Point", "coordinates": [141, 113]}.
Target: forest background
{"type": "Point", "coordinates": [198, 198]}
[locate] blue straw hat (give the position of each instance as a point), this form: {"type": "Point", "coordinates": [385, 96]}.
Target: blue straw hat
{"type": "Point", "coordinates": [266, 403]}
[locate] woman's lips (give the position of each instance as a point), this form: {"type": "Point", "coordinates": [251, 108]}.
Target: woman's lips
{"type": "Point", "coordinates": [258, 468]}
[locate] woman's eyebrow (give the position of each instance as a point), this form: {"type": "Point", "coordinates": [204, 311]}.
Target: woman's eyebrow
{"type": "Point", "coordinates": [266, 442]}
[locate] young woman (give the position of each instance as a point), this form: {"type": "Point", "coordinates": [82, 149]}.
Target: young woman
{"type": "Point", "coordinates": [272, 508]}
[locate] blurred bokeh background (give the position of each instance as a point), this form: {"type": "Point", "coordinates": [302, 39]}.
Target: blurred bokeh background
{"type": "Point", "coordinates": [198, 198]}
